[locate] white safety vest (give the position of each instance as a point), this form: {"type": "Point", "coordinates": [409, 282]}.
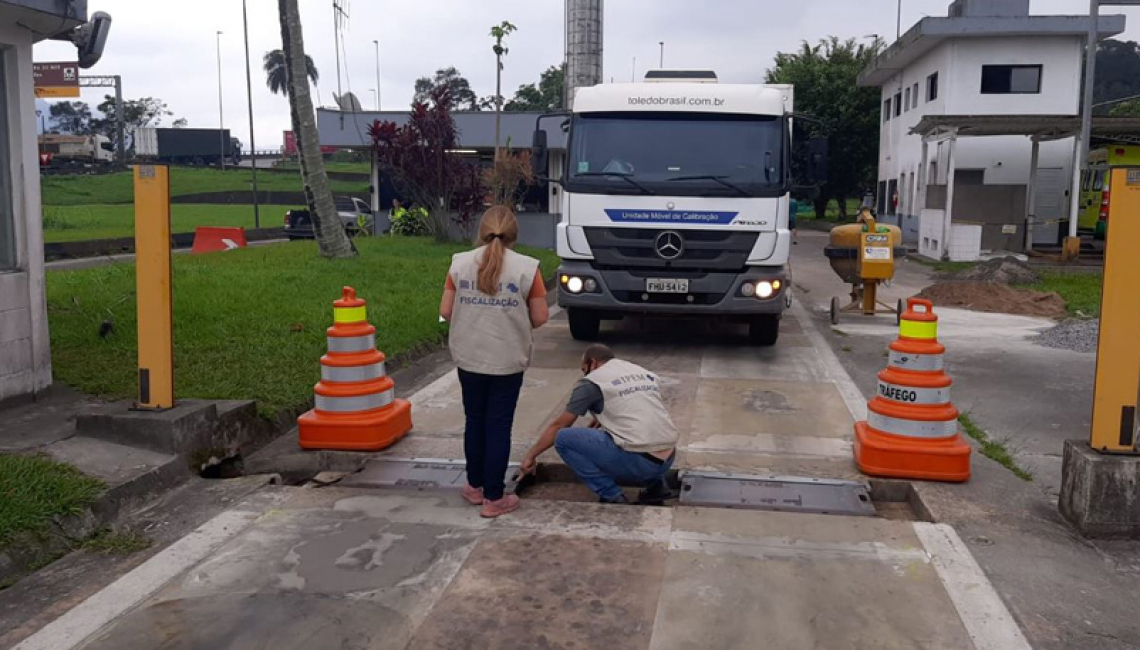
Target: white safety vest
{"type": "Point", "coordinates": [491, 335]}
{"type": "Point", "coordinates": [632, 409]}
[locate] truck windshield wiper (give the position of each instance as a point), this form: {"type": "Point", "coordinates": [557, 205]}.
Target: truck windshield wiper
{"type": "Point", "coordinates": [625, 177]}
{"type": "Point", "coordinates": [711, 177]}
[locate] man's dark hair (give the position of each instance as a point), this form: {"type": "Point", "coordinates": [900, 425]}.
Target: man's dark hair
{"type": "Point", "coordinates": [597, 352]}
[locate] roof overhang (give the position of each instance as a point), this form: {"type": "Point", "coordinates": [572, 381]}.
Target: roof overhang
{"type": "Point", "coordinates": [45, 18]}
{"type": "Point", "coordinates": [931, 32]}
{"type": "Point", "coordinates": [476, 129]}
{"type": "Point", "coordinates": [1039, 127]}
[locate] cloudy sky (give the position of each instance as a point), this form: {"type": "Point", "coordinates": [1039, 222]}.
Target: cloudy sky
{"type": "Point", "coordinates": [167, 49]}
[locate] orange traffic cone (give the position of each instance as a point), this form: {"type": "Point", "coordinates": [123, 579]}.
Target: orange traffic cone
{"type": "Point", "coordinates": [911, 429]}
{"type": "Point", "coordinates": [355, 407]}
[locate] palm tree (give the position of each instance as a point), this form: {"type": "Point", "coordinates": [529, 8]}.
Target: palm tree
{"type": "Point", "coordinates": [331, 238]}
{"type": "Point", "coordinates": [274, 65]}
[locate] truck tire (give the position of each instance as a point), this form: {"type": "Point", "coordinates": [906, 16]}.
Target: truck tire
{"type": "Point", "coordinates": [764, 330]}
{"type": "Point", "coordinates": [584, 324]}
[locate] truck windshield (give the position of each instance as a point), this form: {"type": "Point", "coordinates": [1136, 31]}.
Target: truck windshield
{"type": "Point", "coordinates": [679, 154]}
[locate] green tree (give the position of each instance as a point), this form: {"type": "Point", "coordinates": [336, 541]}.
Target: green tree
{"type": "Point", "coordinates": [462, 98]}
{"type": "Point", "coordinates": [331, 238]}
{"type": "Point", "coordinates": [824, 78]}
{"type": "Point", "coordinates": [1117, 75]}
{"type": "Point", "coordinates": [274, 65]}
{"type": "Point", "coordinates": [546, 95]}
{"type": "Point", "coordinates": [137, 114]}
{"type": "Point", "coordinates": [1129, 108]}
{"type": "Point", "coordinates": [499, 32]}
{"type": "Point", "coordinates": [71, 117]}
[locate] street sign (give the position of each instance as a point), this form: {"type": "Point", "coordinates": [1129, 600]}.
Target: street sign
{"type": "Point", "coordinates": [56, 79]}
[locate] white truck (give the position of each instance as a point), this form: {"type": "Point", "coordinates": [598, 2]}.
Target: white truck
{"type": "Point", "coordinates": [675, 201]}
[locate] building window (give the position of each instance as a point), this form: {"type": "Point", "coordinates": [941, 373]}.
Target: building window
{"type": "Point", "coordinates": [914, 96]}
{"type": "Point", "coordinates": [898, 103]}
{"type": "Point", "coordinates": [7, 223]}
{"type": "Point", "coordinates": [1011, 79]}
{"type": "Point", "coordinates": [932, 87]}
{"type": "Point", "coordinates": [906, 102]}
{"type": "Point", "coordinates": [887, 111]}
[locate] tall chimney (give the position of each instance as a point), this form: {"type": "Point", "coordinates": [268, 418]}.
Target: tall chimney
{"type": "Point", "coordinates": [583, 45]}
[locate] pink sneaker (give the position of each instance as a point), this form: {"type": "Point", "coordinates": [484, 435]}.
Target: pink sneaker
{"type": "Point", "coordinates": [473, 495]}
{"type": "Point", "coordinates": [508, 503]}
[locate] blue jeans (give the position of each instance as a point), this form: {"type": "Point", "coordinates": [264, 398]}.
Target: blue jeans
{"type": "Point", "coordinates": [489, 403]}
{"type": "Point", "coordinates": [602, 465]}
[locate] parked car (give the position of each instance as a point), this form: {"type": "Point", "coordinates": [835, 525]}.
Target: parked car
{"type": "Point", "coordinates": [354, 213]}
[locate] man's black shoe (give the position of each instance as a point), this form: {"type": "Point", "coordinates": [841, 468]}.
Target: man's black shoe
{"type": "Point", "coordinates": [656, 494]}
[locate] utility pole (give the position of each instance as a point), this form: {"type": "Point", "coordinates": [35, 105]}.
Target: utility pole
{"type": "Point", "coordinates": [249, 94]}
{"type": "Point", "coordinates": [221, 115]}
{"type": "Point", "coordinates": [338, 14]}
{"type": "Point", "coordinates": [120, 136]}
{"type": "Point", "coordinates": [377, 44]}
{"type": "Point", "coordinates": [898, 22]}
{"type": "Point", "coordinates": [661, 64]}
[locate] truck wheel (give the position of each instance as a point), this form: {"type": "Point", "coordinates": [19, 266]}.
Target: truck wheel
{"type": "Point", "coordinates": [584, 325]}
{"type": "Point", "coordinates": [764, 330]}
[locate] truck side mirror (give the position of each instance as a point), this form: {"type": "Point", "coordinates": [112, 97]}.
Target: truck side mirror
{"type": "Point", "coordinates": [817, 160]}
{"type": "Point", "coordinates": [538, 153]}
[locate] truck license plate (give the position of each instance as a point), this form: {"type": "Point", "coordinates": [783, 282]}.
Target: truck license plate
{"type": "Point", "coordinates": [666, 285]}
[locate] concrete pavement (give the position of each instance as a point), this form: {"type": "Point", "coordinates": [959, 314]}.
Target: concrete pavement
{"type": "Point", "coordinates": [359, 568]}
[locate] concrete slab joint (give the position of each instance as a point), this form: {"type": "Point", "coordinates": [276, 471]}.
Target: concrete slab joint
{"type": "Point", "coordinates": [1100, 493]}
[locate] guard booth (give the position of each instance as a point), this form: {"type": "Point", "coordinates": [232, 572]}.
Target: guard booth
{"type": "Point", "coordinates": [1100, 477]}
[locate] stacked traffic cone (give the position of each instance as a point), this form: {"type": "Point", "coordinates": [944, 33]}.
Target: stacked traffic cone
{"type": "Point", "coordinates": [912, 428]}
{"type": "Point", "coordinates": [355, 406]}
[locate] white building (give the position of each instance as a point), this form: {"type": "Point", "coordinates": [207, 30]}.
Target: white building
{"type": "Point", "coordinates": [25, 358]}
{"type": "Point", "coordinates": [986, 58]}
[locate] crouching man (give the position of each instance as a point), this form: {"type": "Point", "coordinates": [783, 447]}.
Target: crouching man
{"type": "Point", "coordinates": [631, 440]}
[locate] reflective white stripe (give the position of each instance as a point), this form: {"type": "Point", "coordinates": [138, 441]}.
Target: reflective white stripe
{"type": "Point", "coordinates": [909, 361]}
{"type": "Point", "coordinates": [351, 343]}
{"type": "Point", "coordinates": [352, 373]}
{"type": "Point", "coordinates": [912, 428]}
{"type": "Point", "coordinates": [354, 404]}
{"type": "Point", "coordinates": [911, 395]}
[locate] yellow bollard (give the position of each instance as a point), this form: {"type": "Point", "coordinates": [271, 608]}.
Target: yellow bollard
{"type": "Point", "coordinates": [154, 285]}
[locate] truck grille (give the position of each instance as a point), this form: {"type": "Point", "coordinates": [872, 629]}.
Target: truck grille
{"type": "Point", "coordinates": [703, 250]}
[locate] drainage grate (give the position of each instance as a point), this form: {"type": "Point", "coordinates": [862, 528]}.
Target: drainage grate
{"type": "Point", "coordinates": [790, 494]}
{"type": "Point", "coordinates": [418, 474]}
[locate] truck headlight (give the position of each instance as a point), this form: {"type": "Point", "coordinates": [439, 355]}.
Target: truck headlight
{"type": "Point", "coordinates": [764, 289]}
{"type": "Point", "coordinates": [574, 284]}
{"type": "Point", "coordinates": [591, 285]}
{"type": "Point", "coordinates": [747, 289]}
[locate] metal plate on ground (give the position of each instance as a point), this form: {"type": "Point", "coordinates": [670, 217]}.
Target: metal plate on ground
{"type": "Point", "coordinates": [419, 474]}
{"type": "Point", "coordinates": [788, 494]}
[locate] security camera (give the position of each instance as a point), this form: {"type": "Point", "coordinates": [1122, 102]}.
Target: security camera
{"type": "Point", "coordinates": [90, 38]}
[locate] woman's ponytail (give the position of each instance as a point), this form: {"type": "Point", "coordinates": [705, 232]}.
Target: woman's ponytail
{"type": "Point", "coordinates": [498, 231]}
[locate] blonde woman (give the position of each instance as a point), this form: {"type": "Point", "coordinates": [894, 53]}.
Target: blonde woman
{"type": "Point", "coordinates": [494, 298]}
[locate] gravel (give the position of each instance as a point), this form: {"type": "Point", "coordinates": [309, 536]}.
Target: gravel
{"type": "Point", "coordinates": [1072, 334]}
{"type": "Point", "coordinates": [1003, 270]}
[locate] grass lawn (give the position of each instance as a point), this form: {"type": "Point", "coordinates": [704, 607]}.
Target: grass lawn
{"type": "Point", "coordinates": [82, 222]}
{"type": "Point", "coordinates": [250, 323]}
{"type": "Point", "coordinates": [1081, 291]}
{"type": "Point", "coordinates": [118, 187]}
{"type": "Point", "coordinates": [34, 490]}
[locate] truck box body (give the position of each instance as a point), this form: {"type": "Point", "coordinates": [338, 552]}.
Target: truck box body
{"type": "Point", "coordinates": [184, 145]}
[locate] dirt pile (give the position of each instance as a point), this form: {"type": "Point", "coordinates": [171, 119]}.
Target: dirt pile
{"type": "Point", "coordinates": [989, 296]}
{"type": "Point", "coordinates": [1003, 270]}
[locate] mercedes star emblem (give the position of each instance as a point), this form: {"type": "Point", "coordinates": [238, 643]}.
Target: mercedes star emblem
{"type": "Point", "coordinates": [670, 205]}
{"type": "Point", "coordinates": [669, 245]}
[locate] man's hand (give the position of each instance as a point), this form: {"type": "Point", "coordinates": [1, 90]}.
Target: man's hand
{"type": "Point", "coordinates": [528, 465]}
{"type": "Point", "coordinates": [594, 424]}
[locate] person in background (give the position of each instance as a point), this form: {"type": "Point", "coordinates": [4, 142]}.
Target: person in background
{"type": "Point", "coordinates": [494, 298]}
{"type": "Point", "coordinates": [793, 208]}
{"type": "Point", "coordinates": [631, 439]}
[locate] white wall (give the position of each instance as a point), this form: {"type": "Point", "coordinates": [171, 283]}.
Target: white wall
{"type": "Point", "coordinates": [25, 358]}
{"type": "Point", "coordinates": [959, 62]}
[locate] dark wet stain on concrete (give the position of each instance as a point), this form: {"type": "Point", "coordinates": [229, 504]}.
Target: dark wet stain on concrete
{"type": "Point", "coordinates": [767, 401]}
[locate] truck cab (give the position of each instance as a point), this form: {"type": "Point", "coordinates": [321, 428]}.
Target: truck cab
{"type": "Point", "coordinates": [675, 203]}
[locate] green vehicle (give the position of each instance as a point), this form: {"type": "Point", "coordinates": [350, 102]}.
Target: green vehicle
{"type": "Point", "coordinates": [1095, 192]}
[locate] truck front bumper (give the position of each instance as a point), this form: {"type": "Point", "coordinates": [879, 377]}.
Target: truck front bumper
{"type": "Point", "coordinates": [710, 294]}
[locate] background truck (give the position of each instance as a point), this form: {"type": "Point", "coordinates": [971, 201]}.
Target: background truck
{"type": "Point", "coordinates": [186, 146]}
{"type": "Point", "coordinates": [60, 150]}
{"type": "Point", "coordinates": [675, 201]}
